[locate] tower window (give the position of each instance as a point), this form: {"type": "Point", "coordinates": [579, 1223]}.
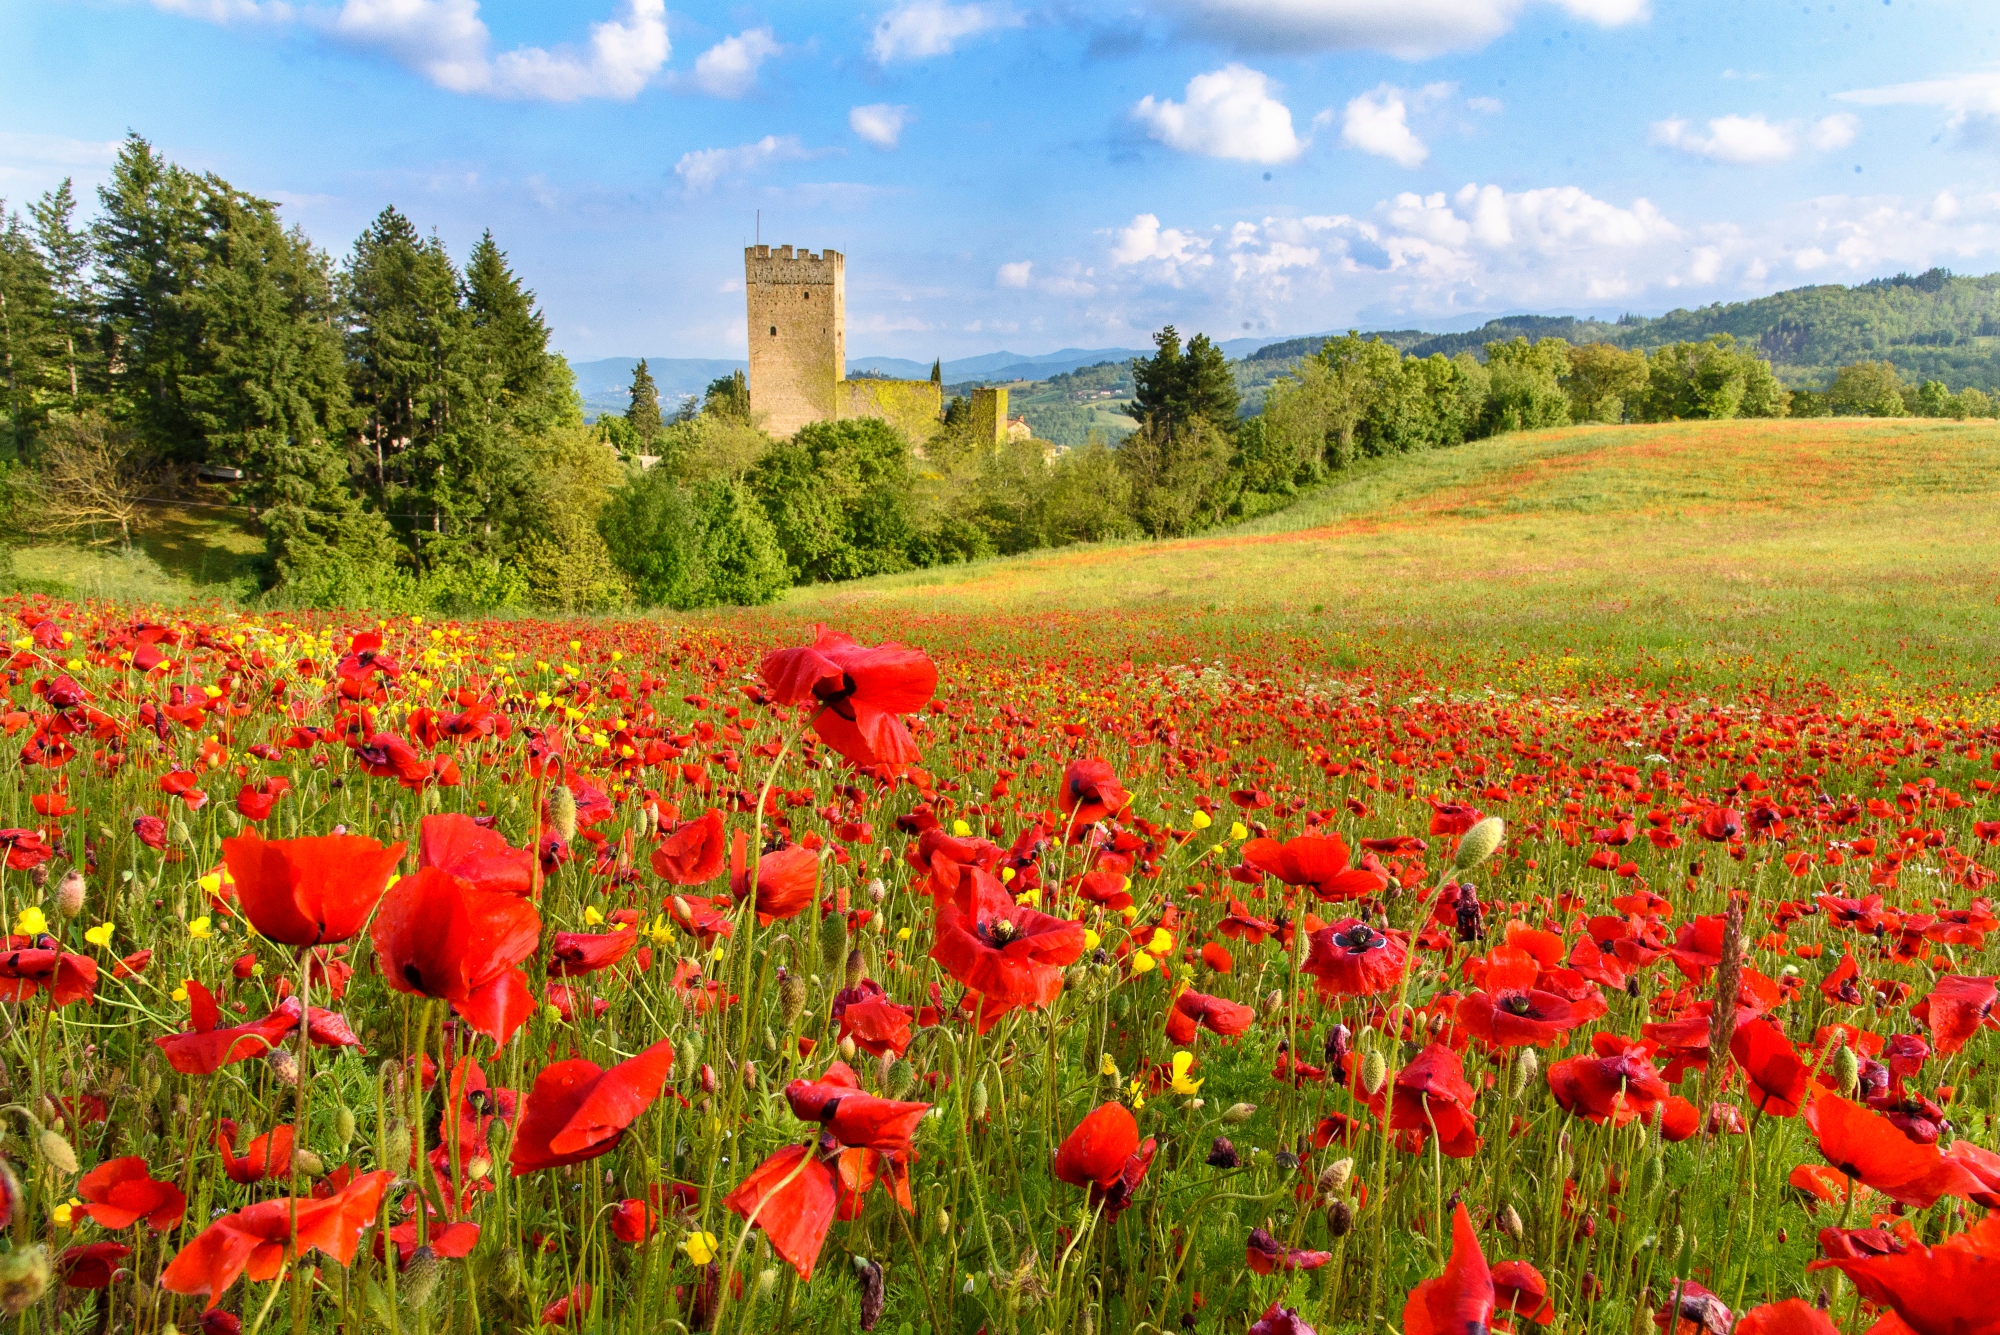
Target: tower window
{"type": "Point", "coordinates": [774, 331]}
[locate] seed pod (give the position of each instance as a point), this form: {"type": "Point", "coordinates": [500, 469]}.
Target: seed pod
{"type": "Point", "coordinates": [396, 1148]}
{"type": "Point", "coordinates": [1222, 1154]}
{"type": "Point", "coordinates": [1510, 1222]}
{"type": "Point", "coordinates": [1239, 1113]}
{"type": "Point", "coordinates": [791, 997]}
{"type": "Point", "coordinates": [833, 943]}
{"type": "Point", "coordinates": [69, 893]}
{"type": "Point", "coordinates": [1339, 1219]}
{"type": "Point", "coordinates": [56, 1151]}
{"type": "Point", "coordinates": [1479, 843]}
{"type": "Point", "coordinates": [419, 1279]}
{"type": "Point", "coordinates": [1847, 1069]}
{"type": "Point", "coordinates": [978, 1102]}
{"type": "Point", "coordinates": [283, 1065]}
{"type": "Point", "coordinates": [1526, 1068]}
{"type": "Point", "coordinates": [873, 1297]}
{"type": "Point", "coordinates": [902, 1075]}
{"type": "Point", "coordinates": [344, 1127]}
{"type": "Point", "coordinates": [1374, 1071]}
{"type": "Point", "coordinates": [857, 966]}
{"type": "Point", "coordinates": [307, 1164]}
{"type": "Point", "coordinates": [561, 807]}
{"type": "Point", "coordinates": [1285, 1160]}
{"type": "Point", "coordinates": [24, 1278]}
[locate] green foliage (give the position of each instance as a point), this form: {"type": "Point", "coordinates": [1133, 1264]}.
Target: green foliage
{"type": "Point", "coordinates": [693, 546]}
{"type": "Point", "coordinates": [1179, 476]}
{"type": "Point", "coordinates": [840, 495]}
{"type": "Point", "coordinates": [1527, 385]}
{"type": "Point", "coordinates": [1175, 388]}
{"type": "Point", "coordinates": [728, 397]}
{"type": "Point", "coordinates": [1601, 379]}
{"type": "Point", "coordinates": [1713, 380]}
{"type": "Point", "coordinates": [642, 418]}
{"type": "Point", "coordinates": [1867, 389]}
{"type": "Point", "coordinates": [564, 558]}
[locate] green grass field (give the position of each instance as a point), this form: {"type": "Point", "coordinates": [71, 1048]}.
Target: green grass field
{"type": "Point", "coordinates": [1866, 551]}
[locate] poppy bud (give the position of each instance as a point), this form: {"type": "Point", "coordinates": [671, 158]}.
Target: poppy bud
{"type": "Point", "coordinates": [561, 808]}
{"type": "Point", "coordinates": [283, 1065]}
{"type": "Point", "coordinates": [24, 1278]}
{"type": "Point", "coordinates": [1339, 1219]}
{"type": "Point", "coordinates": [978, 1101]}
{"type": "Point", "coordinates": [1239, 1112]}
{"type": "Point", "coordinates": [1510, 1222]}
{"type": "Point", "coordinates": [686, 1056]}
{"type": "Point", "coordinates": [750, 1075]}
{"type": "Point", "coordinates": [56, 1151]}
{"type": "Point", "coordinates": [479, 1167]}
{"type": "Point", "coordinates": [791, 997]}
{"type": "Point", "coordinates": [10, 1193]}
{"type": "Point", "coordinates": [1222, 1154]}
{"type": "Point", "coordinates": [901, 1076]}
{"type": "Point", "coordinates": [1374, 1071]}
{"type": "Point", "coordinates": [847, 1048]}
{"type": "Point", "coordinates": [942, 1222]}
{"type": "Point", "coordinates": [833, 942]}
{"type": "Point", "coordinates": [1479, 843]}
{"type": "Point", "coordinates": [767, 1280]}
{"type": "Point", "coordinates": [396, 1148]}
{"type": "Point", "coordinates": [40, 876]}
{"type": "Point", "coordinates": [1274, 1004]}
{"type": "Point", "coordinates": [857, 967]}
{"type": "Point", "coordinates": [69, 894]}
{"type": "Point", "coordinates": [343, 1126]}
{"type": "Point", "coordinates": [1846, 1069]}
{"type": "Point", "coordinates": [419, 1279]}
{"type": "Point", "coordinates": [1522, 1078]}
{"type": "Point", "coordinates": [307, 1164]}
{"type": "Point", "coordinates": [1334, 1180]}
{"type": "Point", "coordinates": [496, 1135]}
{"type": "Point", "coordinates": [877, 892]}
{"type": "Point", "coordinates": [707, 1078]}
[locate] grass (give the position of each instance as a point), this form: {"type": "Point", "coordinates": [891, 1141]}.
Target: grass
{"type": "Point", "coordinates": [180, 553]}
{"type": "Point", "coordinates": [1859, 550]}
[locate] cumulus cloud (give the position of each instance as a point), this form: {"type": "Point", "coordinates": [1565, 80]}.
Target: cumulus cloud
{"type": "Point", "coordinates": [1378, 123]}
{"type": "Point", "coordinates": [702, 168]}
{"type": "Point", "coordinates": [1753, 140]}
{"type": "Point", "coordinates": [1412, 29]}
{"type": "Point", "coordinates": [1973, 101]}
{"type": "Point", "coordinates": [729, 68]}
{"type": "Point", "coordinates": [447, 42]}
{"type": "Point", "coordinates": [1229, 113]}
{"type": "Point", "coordinates": [35, 162]}
{"type": "Point", "coordinates": [1016, 274]}
{"type": "Point", "coordinates": [880, 123]}
{"type": "Point", "coordinates": [1166, 254]}
{"type": "Point", "coordinates": [925, 28]}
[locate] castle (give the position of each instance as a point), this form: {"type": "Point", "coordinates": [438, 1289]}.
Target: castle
{"type": "Point", "coordinates": [797, 303]}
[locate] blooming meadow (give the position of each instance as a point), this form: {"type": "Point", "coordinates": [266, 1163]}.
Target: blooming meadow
{"type": "Point", "coordinates": [501, 976]}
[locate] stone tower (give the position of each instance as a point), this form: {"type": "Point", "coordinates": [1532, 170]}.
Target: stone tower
{"type": "Point", "coordinates": [798, 335]}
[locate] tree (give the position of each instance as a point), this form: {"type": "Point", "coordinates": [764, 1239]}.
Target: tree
{"type": "Point", "coordinates": [728, 397]}
{"type": "Point", "coordinates": [643, 413]}
{"type": "Point", "coordinates": [699, 546]}
{"type": "Point", "coordinates": [90, 476]}
{"type": "Point", "coordinates": [1867, 389]}
{"type": "Point", "coordinates": [1715, 379]}
{"type": "Point", "coordinates": [841, 497]}
{"type": "Point", "coordinates": [1601, 379]}
{"type": "Point", "coordinates": [1527, 392]}
{"type": "Point", "coordinates": [1174, 388]}
{"type": "Point", "coordinates": [66, 252]}
{"type": "Point", "coordinates": [28, 328]}
{"type": "Point", "coordinates": [564, 559]}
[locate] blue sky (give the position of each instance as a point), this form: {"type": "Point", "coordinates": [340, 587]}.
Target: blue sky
{"type": "Point", "coordinates": [1008, 174]}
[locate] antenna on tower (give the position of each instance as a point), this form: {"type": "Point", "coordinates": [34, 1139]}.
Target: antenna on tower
{"type": "Point", "coordinates": [760, 227]}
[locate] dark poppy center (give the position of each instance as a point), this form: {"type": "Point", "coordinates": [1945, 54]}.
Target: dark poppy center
{"type": "Point", "coordinates": [839, 699]}
{"type": "Point", "coordinates": [999, 931]}
{"type": "Point", "coordinates": [414, 977]}
{"type": "Point", "coordinates": [1360, 937]}
{"type": "Point", "coordinates": [1518, 1005]}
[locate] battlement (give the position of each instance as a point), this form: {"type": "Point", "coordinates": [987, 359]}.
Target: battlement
{"type": "Point", "coordinates": [782, 266]}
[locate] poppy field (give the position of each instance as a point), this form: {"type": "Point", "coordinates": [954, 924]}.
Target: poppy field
{"type": "Point", "coordinates": [1070, 975]}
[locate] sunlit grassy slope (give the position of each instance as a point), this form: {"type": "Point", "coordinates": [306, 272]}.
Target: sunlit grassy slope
{"type": "Point", "coordinates": [1861, 550]}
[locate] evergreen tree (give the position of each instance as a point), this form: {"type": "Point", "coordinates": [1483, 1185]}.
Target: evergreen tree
{"type": "Point", "coordinates": [1174, 388]}
{"type": "Point", "coordinates": [66, 251]}
{"type": "Point", "coordinates": [728, 397]}
{"type": "Point", "coordinates": [643, 415]}
{"type": "Point", "coordinates": [520, 382]}
{"type": "Point", "coordinates": [27, 324]}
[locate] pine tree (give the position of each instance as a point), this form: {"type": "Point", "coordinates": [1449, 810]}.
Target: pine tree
{"type": "Point", "coordinates": [643, 415]}
{"type": "Point", "coordinates": [937, 372]}
{"type": "Point", "coordinates": [521, 383]}
{"type": "Point", "coordinates": [27, 304]}
{"type": "Point", "coordinates": [66, 251]}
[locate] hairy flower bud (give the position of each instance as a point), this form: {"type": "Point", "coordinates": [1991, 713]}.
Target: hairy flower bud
{"type": "Point", "coordinates": [1522, 1077]}
{"type": "Point", "coordinates": [69, 893]}
{"type": "Point", "coordinates": [1374, 1071]}
{"type": "Point", "coordinates": [979, 1100]}
{"type": "Point", "coordinates": [344, 1126]}
{"type": "Point", "coordinates": [396, 1148]}
{"type": "Point", "coordinates": [283, 1065]}
{"type": "Point", "coordinates": [24, 1278]}
{"type": "Point", "coordinates": [561, 808]}
{"type": "Point", "coordinates": [419, 1280]}
{"type": "Point", "coordinates": [791, 997]}
{"type": "Point", "coordinates": [833, 942]}
{"type": "Point", "coordinates": [307, 1164]}
{"type": "Point", "coordinates": [1479, 843]}
{"type": "Point", "coordinates": [1846, 1069]}
{"type": "Point", "coordinates": [857, 967]}
{"type": "Point", "coordinates": [1510, 1222]}
{"type": "Point", "coordinates": [1336, 1177]}
{"type": "Point", "coordinates": [1239, 1112]}
{"type": "Point", "coordinates": [901, 1076]}
{"type": "Point", "coordinates": [56, 1151]}
{"type": "Point", "coordinates": [1340, 1219]}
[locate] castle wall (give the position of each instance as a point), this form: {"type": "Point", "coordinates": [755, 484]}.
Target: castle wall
{"type": "Point", "coordinates": [911, 406]}
{"type": "Point", "coordinates": [989, 416]}
{"type": "Point", "coordinates": [797, 305]}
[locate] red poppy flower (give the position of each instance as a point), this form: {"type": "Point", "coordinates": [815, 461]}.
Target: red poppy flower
{"type": "Point", "coordinates": [1094, 1154]}
{"type": "Point", "coordinates": [205, 1049]}
{"type": "Point", "coordinates": [1106, 889]}
{"type": "Point", "coordinates": [254, 1240]}
{"type": "Point", "coordinates": [855, 1172]}
{"type": "Point", "coordinates": [483, 858]}
{"type": "Point", "coordinates": [1453, 817]}
{"type": "Point", "coordinates": [1264, 1254]}
{"type": "Point", "coordinates": [578, 1110]}
{"type": "Point", "coordinates": [1090, 793]}
{"type": "Point", "coordinates": [1955, 1010]}
{"type": "Point", "coordinates": [269, 1155]}
{"type": "Point", "coordinates": [26, 969]}
{"type": "Point", "coordinates": [439, 936]}
{"type": "Point", "coordinates": [1010, 954]}
{"type": "Point", "coordinates": [860, 691]}
{"type": "Point", "coordinates": [634, 1221]}
{"type": "Point", "coordinates": [305, 892]}
{"type": "Point", "coordinates": [120, 1192]}
{"type": "Point", "coordinates": [1511, 1011]}
{"type": "Point", "coordinates": [256, 801]}
{"type": "Point", "coordinates": [1462, 1298]}
{"type": "Point", "coordinates": [856, 1120]}
{"type": "Point", "coordinates": [1242, 925]}
{"type": "Point", "coordinates": [570, 1309]}
{"type": "Point", "coordinates": [1519, 1288]}
{"type": "Point", "coordinates": [692, 852]}
{"type": "Point", "coordinates": [573, 954]}
{"type": "Point", "coordinates": [1720, 824]}
{"type": "Point", "coordinates": [1197, 1010]}
{"type": "Point", "coordinates": [786, 878]}
{"type": "Point", "coordinates": [876, 1024]}
{"type": "Point", "coordinates": [1352, 959]}
{"type": "Point", "coordinates": [792, 1196]}
{"type": "Point", "coordinates": [1281, 1321]}
{"type": "Point", "coordinates": [1776, 1080]}
{"type": "Point", "coordinates": [1616, 1085]}
{"type": "Point", "coordinates": [1941, 1290]}
{"type": "Point", "coordinates": [1842, 985]}
{"type": "Point", "coordinates": [1318, 862]}
{"type": "Point", "coordinates": [1868, 1148]}
{"type": "Point", "coordinates": [1431, 1092]}
{"type": "Point", "coordinates": [90, 1266]}
{"type": "Point", "coordinates": [1793, 1316]}
{"type": "Point", "coordinates": [26, 849]}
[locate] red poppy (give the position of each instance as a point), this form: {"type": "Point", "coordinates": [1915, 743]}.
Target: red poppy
{"type": "Point", "coordinates": [857, 1171]}
{"type": "Point", "coordinates": [1720, 824]}
{"type": "Point", "coordinates": [1462, 1298]}
{"type": "Point", "coordinates": [269, 1155]}
{"type": "Point", "coordinates": [859, 691]}
{"type": "Point", "coordinates": [118, 1193]}
{"type": "Point", "coordinates": [1318, 862]}
{"type": "Point", "coordinates": [578, 1110]}
{"type": "Point", "coordinates": [1616, 1084]}
{"type": "Point", "coordinates": [574, 954]}
{"type": "Point", "coordinates": [1242, 925]}
{"type": "Point", "coordinates": [792, 1196]}
{"type": "Point", "coordinates": [26, 969]}
{"type": "Point", "coordinates": [1105, 1154]}
{"type": "Point", "coordinates": [1955, 1010]}
{"type": "Point", "coordinates": [439, 936]}
{"type": "Point", "coordinates": [1352, 959]}
{"type": "Point", "coordinates": [1868, 1148]}
{"type": "Point", "coordinates": [1106, 889]}
{"type": "Point", "coordinates": [26, 849]}
{"type": "Point", "coordinates": [1264, 1254]}
{"type": "Point", "coordinates": [1431, 1092]}
{"type": "Point", "coordinates": [1776, 1080]}
{"type": "Point", "coordinates": [1793, 1316]}
{"type": "Point", "coordinates": [1941, 1290]}
{"type": "Point", "coordinates": [256, 801]}
{"type": "Point", "coordinates": [461, 846]}
{"type": "Point", "coordinates": [254, 1240]}
{"type": "Point", "coordinates": [1519, 1288]}
{"type": "Point", "coordinates": [634, 1221]}
{"type": "Point", "coordinates": [1090, 793]}
{"type": "Point", "coordinates": [570, 1309]}
{"type": "Point", "coordinates": [1008, 953]}
{"type": "Point", "coordinates": [205, 1049]}
{"type": "Point", "coordinates": [876, 1024]}
{"type": "Point", "coordinates": [786, 878]}
{"type": "Point", "coordinates": [1281, 1321]}
{"type": "Point", "coordinates": [305, 892]}
{"type": "Point", "coordinates": [1511, 1011]}
{"type": "Point", "coordinates": [1197, 1010]}
{"type": "Point", "coordinates": [91, 1266]}
{"type": "Point", "coordinates": [692, 852]}
{"type": "Point", "coordinates": [1453, 817]}
{"type": "Point", "coordinates": [856, 1120]}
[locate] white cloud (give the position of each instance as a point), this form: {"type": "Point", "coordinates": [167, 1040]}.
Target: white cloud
{"type": "Point", "coordinates": [1229, 113]}
{"type": "Point", "coordinates": [1378, 123]}
{"type": "Point", "coordinates": [1486, 106]}
{"type": "Point", "coordinates": [1016, 274]}
{"type": "Point", "coordinates": [880, 123]}
{"type": "Point", "coordinates": [704, 167]}
{"type": "Point", "coordinates": [448, 43]}
{"type": "Point", "coordinates": [1166, 254]}
{"type": "Point", "coordinates": [1753, 140]}
{"type": "Point", "coordinates": [729, 68]}
{"type": "Point", "coordinates": [1412, 29]}
{"type": "Point", "coordinates": [925, 28]}
{"type": "Point", "coordinates": [37, 162]}
{"type": "Point", "coordinates": [1972, 99]}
